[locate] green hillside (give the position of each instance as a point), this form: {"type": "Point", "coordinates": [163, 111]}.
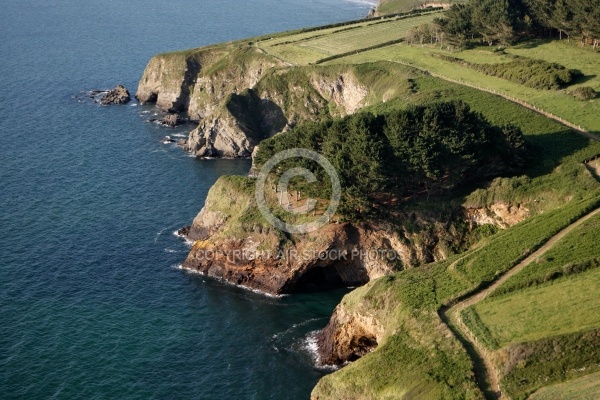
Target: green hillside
{"type": "Point", "coordinates": [561, 312]}
{"type": "Point", "coordinates": [509, 310]}
{"type": "Point", "coordinates": [396, 6]}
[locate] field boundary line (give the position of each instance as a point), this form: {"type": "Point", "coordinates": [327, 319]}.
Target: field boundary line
{"type": "Point", "coordinates": [452, 318]}
{"type": "Point", "coordinates": [523, 103]}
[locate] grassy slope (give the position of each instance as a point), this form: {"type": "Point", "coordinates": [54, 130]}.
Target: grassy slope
{"type": "Point", "coordinates": [419, 355]}
{"type": "Point", "coordinates": [563, 307]}
{"type": "Point", "coordinates": [557, 102]}
{"type": "Point", "coordinates": [309, 47]}
{"type": "Point", "coordinates": [395, 6]}
{"type": "Point", "coordinates": [576, 253]}
{"type": "Point", "coordinates": [586, 388]}
{"type": "Point", "coordinates": [553, 296]}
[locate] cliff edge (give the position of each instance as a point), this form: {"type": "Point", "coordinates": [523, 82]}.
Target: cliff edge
{"type": "Point", "coordinates": [239, 95]}
{"type": "Point", "coordinates": [234, 243]}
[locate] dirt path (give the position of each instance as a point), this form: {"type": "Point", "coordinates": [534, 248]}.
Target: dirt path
{"type": "Point", "coordinates": [489, 376]}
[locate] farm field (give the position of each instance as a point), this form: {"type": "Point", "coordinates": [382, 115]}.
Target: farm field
{"type": "Point", "coordinates": [585, 388]}
{"type": "Point", "coordinates": [310, 47]}
{"type": "Point", "coordinates": [565, 302]}
{"type": "Point", "coordinates": [560, 103]}
{"type": "Point", "coordinates": [559, 308]}
{"type": "Point", "coordinates": [392, 6]}
{"type": "Point", "coordinates": [575, 252]}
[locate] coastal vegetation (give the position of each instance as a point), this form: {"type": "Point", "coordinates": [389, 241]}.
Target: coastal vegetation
{"type": "Point", "coordinates": [505, 22]}
{"type": "Point", "coordinates": [587, 387]}
{"type": "Point", "coordinates": [322, 45]}
{"type": "Point", "coordinates": [422, 150]}
{"type": "Point", "coordinates": [537, 74]}
{"type": "Point", "coordinates": [469, 138]}
{"type": "Point", "coordinates": [407, 305]}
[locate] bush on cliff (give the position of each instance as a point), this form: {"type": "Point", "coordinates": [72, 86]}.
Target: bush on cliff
{"type": "Point", "coordinates": [421, 151]}
{"type": "Point", "coordinates": [537, 74]}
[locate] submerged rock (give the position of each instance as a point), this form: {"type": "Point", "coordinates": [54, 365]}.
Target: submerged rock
{"type": "Point", "coordinates": [118, 95]}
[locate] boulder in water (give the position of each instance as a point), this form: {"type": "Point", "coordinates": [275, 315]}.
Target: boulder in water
{"type": "Point", "coordinates": [118, 95]}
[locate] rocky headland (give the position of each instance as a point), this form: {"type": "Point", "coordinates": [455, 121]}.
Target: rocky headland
{"type": "Point", "coordinates": [239, 95]}
{"type": "Point", "coordinates": [232, 242]}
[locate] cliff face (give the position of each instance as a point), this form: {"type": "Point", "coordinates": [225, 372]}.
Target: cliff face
{"type": "Point", "coordinates": [349, 335]}
{"type": "Point", "coordinates": [404, 353]}
{"type": "Point", "coordinates": [240, 96]}
{"type": "Point", "coordinates": [233, 242]}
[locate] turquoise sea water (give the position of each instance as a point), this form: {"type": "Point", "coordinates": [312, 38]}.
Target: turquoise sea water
{"type": "Point", "coordinates": [92, 305]}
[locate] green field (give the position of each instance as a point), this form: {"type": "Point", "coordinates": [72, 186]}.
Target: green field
{"type": "Point", "coordinates": [394, 6]}
{"type": "Point", "coordinates": [418, 355]}
{"type": "Point", "coordinates": [575, 253]}
{"type": "Point", "coordinates": [551, 301]}
{"type": "Point", "coordinates": [560, 103]}
{"type": "Point", "coordinates": [585, 388]}
{"type": "Point", "coordinates": [310, 47]}
{"type": "Point", "coordinates": [560, 308]}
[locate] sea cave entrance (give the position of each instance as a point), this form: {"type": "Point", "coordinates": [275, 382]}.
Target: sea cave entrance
{"type": "Point", "coordinates": [319, 279]}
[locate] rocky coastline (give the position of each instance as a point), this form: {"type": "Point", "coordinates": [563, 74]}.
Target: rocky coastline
{"type": "Point", "coordinates": [251, 96]}
{"type": "Point", "coordinates": [230, 245]}
{"type": "Point", "coordinates": [238, 96]}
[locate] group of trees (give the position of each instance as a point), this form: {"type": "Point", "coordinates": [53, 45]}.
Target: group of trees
{"type": "Point", "coordinates": [421, 151]}
{"type": "Point", "coordinates": [505, 21]}
{"type": "Point", "coordinates": [537, 74]}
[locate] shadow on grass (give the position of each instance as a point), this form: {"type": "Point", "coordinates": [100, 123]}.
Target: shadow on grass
{"type": "Point", "coordinates": [547, 151]}
{"type": "Point", "coordinates": [532, 44]}
{"type": "Point", "coordinates": [583, 79]}
{"type": "Point", "coordinates": [479, 369]}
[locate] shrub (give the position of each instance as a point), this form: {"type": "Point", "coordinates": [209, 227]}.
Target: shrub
{"type": "Point", "coordinates": [537, 74]}
{"type": "Point", "coordinates": [421, 151]}
{"type": "Point", "coordinates": [584, 93]}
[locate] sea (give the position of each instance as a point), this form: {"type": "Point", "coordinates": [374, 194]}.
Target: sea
{"type": "Point", "coordinates": [92, 302]}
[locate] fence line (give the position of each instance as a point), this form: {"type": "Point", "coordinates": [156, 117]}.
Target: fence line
{"type": "Point", "coordinates": [563, 121]}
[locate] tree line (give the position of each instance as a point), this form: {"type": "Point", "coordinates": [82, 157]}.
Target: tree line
{"type": "Point", "coordinates": [424, 150]}
{"type": "Point", "coordinates": [504, 22]}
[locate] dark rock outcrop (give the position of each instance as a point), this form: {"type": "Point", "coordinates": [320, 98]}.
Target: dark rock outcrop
{"type": "Point", "coordinates": [170, 120]}
{"type": "Point", "coordinates": [118, 95]}
{"type": "Point", "coordinates": [233, 246]}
